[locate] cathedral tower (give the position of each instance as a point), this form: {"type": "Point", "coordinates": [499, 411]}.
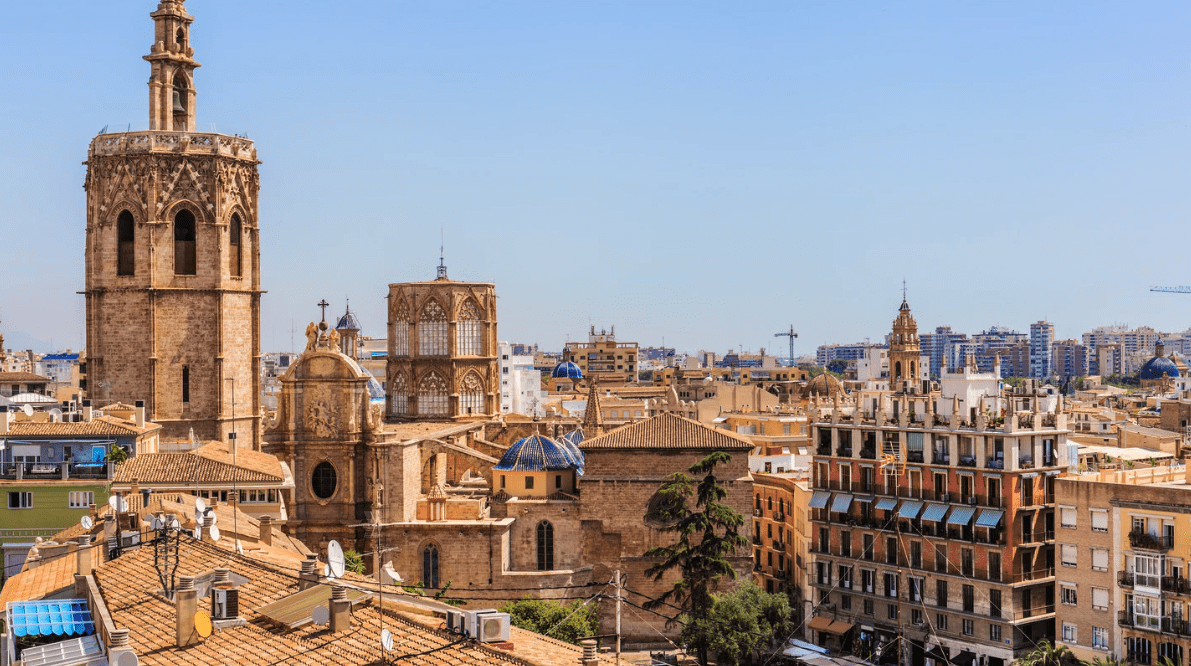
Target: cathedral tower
{"type": "Point", "coordinates": [905, 352]}
{"type": "Point", "coordinates": [173, 261]}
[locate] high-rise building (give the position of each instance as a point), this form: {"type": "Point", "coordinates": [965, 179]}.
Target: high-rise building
{"type": "Point", "coordinates": [1042, 335]}
{"type": "Point", "coordinates": [942, 347]}
{"type": "Point", "coordinates": [1070, 358]}
{"type": "Point", "coordinates": [172, 259]}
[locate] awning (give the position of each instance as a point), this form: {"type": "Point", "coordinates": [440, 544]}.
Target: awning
{"type": "Point", "coordinates": [937, 654]}
{"type": "Point", "coordinates": [70, 617]}
{"type": "Point", "coordinates": [910, 509]}
{"type": "Point", "coordinates": [989, 518]}
{"type": "Point", "coordinates": [841, 503]}
{"type": "Point", "coordinates": [838, 627]}
{"type": "Point", "coordinates": [886, 503]}
{"type": "Point", "coordinates": [819, 499]}
{"type": "Point", "coordinates": [1029, 475]}
{"type": "Point", "coordinates": [961, 515]}
{"type": "Point", "coordinates": [820, 623]}
{"type": "Point", "coordinates": [866, 499]}
{"type": "Point", "coordinates": [935, 512]}
{"type": "Point", "coordinates": [964, 658]}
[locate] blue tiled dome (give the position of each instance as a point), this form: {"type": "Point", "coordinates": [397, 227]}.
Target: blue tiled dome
{"type": "Point", "coordinates": [567, 370]}
{"type": "Point", "coordinates": [537, 453]}
{"type": "Point", "coordinates": [348, 321]}
{"type": "Point", "coordinates": [570, 442]}
{"type": "Point", "coordinates": [1159, 367]}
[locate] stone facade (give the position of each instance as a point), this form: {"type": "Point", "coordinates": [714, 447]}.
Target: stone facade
{"type": "Point", "coordinates": [173, 262]}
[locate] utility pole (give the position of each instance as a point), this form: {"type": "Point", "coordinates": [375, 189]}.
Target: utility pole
{"type": "Point", "coordinates": [619, 596]}
{"type": "Point", "coordinates": [235, 469]}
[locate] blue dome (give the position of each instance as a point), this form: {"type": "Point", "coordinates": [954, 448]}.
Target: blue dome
{"type": "Point", "coordinates": [1158, 367]}
{"type": "Point", "coordinates": [567, 370]}
{"type": "Point", "coordinates": [537, 453]}
{"type": "Point", "coordinates": [348, 321]}
{"type": "Point", "coordinates": [570, 442]}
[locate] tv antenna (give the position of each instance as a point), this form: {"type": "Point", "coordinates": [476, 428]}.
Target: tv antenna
{"type": "Point", "coordinates": [788, 334]}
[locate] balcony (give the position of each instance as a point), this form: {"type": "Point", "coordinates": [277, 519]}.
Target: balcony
{"type": "Point", "coordinates": [55, 471]}
{"type": "Point", "coordinates": [1176, 585]}
{"type": "Point", "coordinates": [1025, 463]}
{"type": "Point", "coordinates": [940, 459]}
{"type": "Point", "coordinates": [868, 454]}
{"type": "Point", "coordinates": [1036, 611]}
{"type": "Point", "coordinates": [1038, 536]}
{"type": "Point", "coordinates": [823, 450]}
{"type": "Point", "coordinates": [1125, 578]}
{"type": "Point", "coordinates": [967, 461]}
{"type": "Point", "coordinates": [845, 452]}
{"type": "Point", "coordinates": [914, 457]}
{"type": "Point", "coordinates": [1150, 541]}
{"type": "Point", "coordinates": [1035, 576]}
{"type": "Point", "coordinates": [994, 463]}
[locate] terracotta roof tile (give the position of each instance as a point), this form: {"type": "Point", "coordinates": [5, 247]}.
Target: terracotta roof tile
{"type": "Point", "coordinates": [668, 431]}
{"type": "Point", "coordinates": [8, 377]}
{"type": "Point", "coordinates": [255, 461]}
{"type": "Point", "coordinates": [172, 468]}
{"type": "Point", "coordinates": [118, 407]}
{"type": "Point", "coordinates": [51, 576]}
{"type": "Point", "coordinates": [100, 426]}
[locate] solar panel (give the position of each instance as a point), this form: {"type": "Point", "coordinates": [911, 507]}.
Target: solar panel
{"type": "Point", "coordinates": [86, 650]}
{"type": "Point", "coordinates": [296, 609]}
{"type": "Point", "coordinates": [67, 617]}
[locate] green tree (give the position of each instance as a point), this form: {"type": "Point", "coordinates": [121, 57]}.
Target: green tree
{"type": "Point", "coordinates": [565, 621]}
{"type": "Point", "coordinates": [354, 562]}
{"type": "Point", "coordinates": [707, 536]}
{"type": "Point", "coordinates": [1049, 654]}
{"type": "Point", "coordinates": [117, 454]}
{"type": "Point", "coordinates": [744, 622]}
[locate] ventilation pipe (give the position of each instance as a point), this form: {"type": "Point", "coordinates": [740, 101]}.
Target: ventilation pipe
{"type": "Point", "coordinates": [84, 555]}
{"type": "Point", "coordinates": [309, 574]}
{"type": "Point", "coordinates": [341, 617]}
{"type": "Point", "coordinates": [266, 530]}
{"type": "Point", "coordinates": [185, 606]}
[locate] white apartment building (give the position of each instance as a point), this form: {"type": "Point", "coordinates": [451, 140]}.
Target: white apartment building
{"type": "Point", "coordinates": [520, 384]}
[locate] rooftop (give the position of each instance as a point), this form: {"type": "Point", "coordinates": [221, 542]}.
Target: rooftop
{"type": "Point", "coordinates": [210, 463]}
{"type": "Point", "coordinates": [100, 426]}
{"type": "Point", "coordinates": [668, 431]}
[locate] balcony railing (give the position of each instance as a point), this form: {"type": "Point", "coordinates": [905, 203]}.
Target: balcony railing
{"type": "Point", "coordinates": [1036, 611]}
{"type": "Point", "coordinates": [1125, 578]}
{"type": "Point", "coordinates": [1031, 576]}
{"type": "Point", "coordinates": [967, 461]}
{"type": "Point", "coordinates": [914, 457]}
{"type": "Point", "coordinates": [845, 452]}
{"type": "Point", "coordinates": [870, 454]}
{"type": "Point", "coordinates": [47, 471]}
{"type": "Point", "coordinates": [1038, 536]}
{"type": "Point", "coordinates": [1176, 585]}
{"type": "Point", "coordinates": [1150, 541]}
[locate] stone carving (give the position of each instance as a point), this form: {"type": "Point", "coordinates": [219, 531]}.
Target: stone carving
{"type": "Point", "coordinates": [321, 416]}
{"type": "Point", "coordinates": [333, 340]}
{"type": "Point", "coordinates": [311, 336]}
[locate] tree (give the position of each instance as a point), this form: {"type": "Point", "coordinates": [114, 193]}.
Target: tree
{"type": "Point", "coordinates": [567, 622]}
{"type": "Point", "coordinates": [354, 562]}
{"type": "Point", "coordinates": [117, 455]}
{"type": "Point", "coordinates": [707, 536]}
{"type": "Point", "coordinates": [744, 622]}
{"type": "Point", "coordinates": [1049, 654]}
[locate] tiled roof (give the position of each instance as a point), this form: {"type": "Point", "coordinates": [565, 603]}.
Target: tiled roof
{"type": "Point", "coordinates": [9, 377]}
{"type": "Point", "coordinates": [52, 575]}
{"type": "Point", "coordinates": [667, 431]}
{"type": "Point", "coordinates": [151, 469]}
{"type": "Point", "coordinates": [118, 407]}
{"type": "Point", "coordinates": [256, 461]}
{"type": "Point", "coordinates": [126, 585]}
{"type": "Point", "coordinates": [100, 426]}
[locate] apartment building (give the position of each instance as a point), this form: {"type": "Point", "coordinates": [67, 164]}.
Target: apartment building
{"type": "Point", "coordinates": [781, 537]}
{"type": "Point", "coordinates": [603, 357]}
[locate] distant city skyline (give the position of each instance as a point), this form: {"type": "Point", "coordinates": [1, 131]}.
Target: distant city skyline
{"type": "Point", "coordinates": [702, 172]}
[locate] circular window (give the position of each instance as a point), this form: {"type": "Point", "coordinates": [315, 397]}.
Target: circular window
{"type": "Point", "coordinates": [323, 480]}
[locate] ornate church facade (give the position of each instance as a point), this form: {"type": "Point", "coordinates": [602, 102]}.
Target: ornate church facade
{"type": "Point", "coordinates": [173, 260]}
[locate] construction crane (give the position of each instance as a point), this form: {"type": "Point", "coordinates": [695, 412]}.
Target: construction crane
{"type": "Point", "coordinates": [1173, 290]}
{"type": "Point", "coordinates": [789, 334]}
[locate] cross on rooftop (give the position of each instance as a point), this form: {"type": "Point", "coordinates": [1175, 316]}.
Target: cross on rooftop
{"type": "Point", "coordinates": [324, 305]}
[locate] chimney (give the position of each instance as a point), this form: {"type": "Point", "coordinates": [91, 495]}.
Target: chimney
{"type": "Point", "coordinates": [208, 521]}
{"type": "Point", "coordinates": [309, 574]}
{"type": "Point", "coordinates": [185, 606]}
{"type": "Point", "coordinates": [267, 530]}
{"type": "Point", "coordinates": [590, 656]}
{"type": "Point", "coordinates": [3, 419]}
{"type": "Point", "coordinates": [110, 534]}
{"type": "Point", "coordinates": [84, 555]}
{"type": "Point", "coordinates": [87, 411]}
{"type": "Point", "coordinates": [341, 610]}
{"type": "Point", "coordinates": [139, 417]}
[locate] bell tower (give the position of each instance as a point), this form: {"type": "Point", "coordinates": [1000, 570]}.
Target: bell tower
{"type": "Point", "coordinates": [905, 351]}
{"type": "Point", "coordinates": [171, 86]}
{"type": "Point", "coordinates": [173, 260]}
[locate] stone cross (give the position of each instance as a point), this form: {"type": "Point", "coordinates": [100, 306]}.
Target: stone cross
{"type": "Point", "coordinates": [324, 305]}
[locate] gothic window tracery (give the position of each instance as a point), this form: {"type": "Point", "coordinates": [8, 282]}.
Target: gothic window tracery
{"type": "Point", "coordinates": [399, 389]}
{"type": "Point", "coordinates": [401, 331]}
{"type": "Point", "coordinates": [237, 256]}
{"type": "Point", "coordinates": [430, 566]}
{"type": "Point", "coordinates": [126, 244]}
{"type": "Point", "coordinates": [545, 546]}
{"type": "Point", "coordinates": [471, 395]}
{"type": "Point", "coordinates": [432, 330]}
{"type": "Point", "coordinates": [469, 331]}
{"type": "Point", "coordinates": [432, 396]}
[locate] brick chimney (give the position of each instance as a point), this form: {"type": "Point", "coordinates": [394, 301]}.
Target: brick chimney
{"type": "Point", "coordinates": [309, 574]}
{"type": "Point", "coordinates": [3, 419]}
{"type": "Point", "coordinates": [185, 606]}
{"type": "Point", "coordinates": [341, 610]}
{"type": "Point", "coordinates": [267, 530]}
{"type": "Point", "coordinates": [84, 555]}
{"type": "Point", "coordinates": [139, 415]}
{"type": "Point", "coordinates": [87, 411]}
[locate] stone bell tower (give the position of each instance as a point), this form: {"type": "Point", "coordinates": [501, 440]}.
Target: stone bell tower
{"type": "Point", "coordinates": [905, 351]}
{"type": "Point", "coordinates": [173, 261]}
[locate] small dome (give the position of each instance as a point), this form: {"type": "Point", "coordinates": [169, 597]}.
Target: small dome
{"type": "Point", "coordinates": [537, 453]}
{"type": "Point", "coordinates": [571, 442]}
{"type": "Point", "coordinates": [567, 370]}
{"type": "Point", "coordinates": [824, 385]}
{"type": "Point", "coordinates": [348, 321]}
{"type": "Point", "coordinates": [1157, 368]}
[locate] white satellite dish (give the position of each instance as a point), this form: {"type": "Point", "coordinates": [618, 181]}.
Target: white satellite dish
{"type": "Point", "coordinates": [28, 409]}
{"type": "Point", "coordinates": [386, 639]}
{"type": "Point", "coordinates": [123, 505]}
{"type": "Point", "coordinates": [326, 571]}
{"type": "Point", "coordinates": [335, 559]}
{"type": "Point", "coordinates": [214, 533]}
{"type": "Point", "coordinates": [390, 574]}
{"type": "Point", "coordinates": [87, 523]}
{"type": "Point", "coordinates": [199, 505]}
{"type": "Point", "coordinates": [320, 615]}
{"type": "Point", "coordinates": [55, 415]}
{"type": "Point", "coordinates": [156, 522]}
{"type": "Point", "coordinates": [114, 502]}
{"type": "Point", "coordinates": [176, 526]}
{"type": "Point", "coordinates": [127, 659]}
{"type": "Point", "coordinates": [239, 547]}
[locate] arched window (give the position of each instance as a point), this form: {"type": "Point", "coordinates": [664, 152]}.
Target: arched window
{"type": "Point", "coordinates": [430, 566]}
{"type": "Point", "coordinates": [401, 330]}
{"type": "Point", "coordinates": [399, 390]}
{"type": "Point", "coordinates": [180, 38]}
{"type": "Point", "coordinates": [432, 396]}
{"type": "Point", "coordinates": [181, 95]}
{"type": "Point", "coordinates": [432, 330]}
{"type": "Point", "coordinates": [126, 244]}
{"type": "Point", "coordinates": [545, 546]}
{"type": "Point", "coordinates": [324, 480]}
{"type": "Point", "coordinates": [1171, 651]}
{"type": "Point", "coordinates": [769, 502]}
{"type": "Point", "coordinates": [471, 395]}
{"type": "Point", "coordinates": [185, 261]}
{"type": "Point", "coordinates": [913, 367]}
{"type": "Point", "coordinates": [758, 501]}
{"type": "Point", "coordinates": [897, 370]}
{"type": "Point", "coordinates": [237, 256]}
{"type": "Point", "coordinates": [469, 338]}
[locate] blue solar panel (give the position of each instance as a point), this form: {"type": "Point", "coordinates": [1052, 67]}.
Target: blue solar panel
{"type": "Point", "coordinates": [67, 617]}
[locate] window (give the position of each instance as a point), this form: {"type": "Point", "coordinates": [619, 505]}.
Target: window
{"type": "Point", "coordinates": [235, 258]}
{"type": "Point", "coordinates": [1099, 638]}
{"type": "Point", "coordinates": [185, 261]}
{"type": "Point", "coordinates": [1147, 571]}
{"type": "Point", "coordinates": [1067, 517]}
{"type": "Point", "coordinates": [891, 611]}
{"type": "Point", "coordinates": [868, 547]}
{"type": "Point", "coordinates": [529, 483]}
{"type": "Point", "coordinates": [430, 566]}
{"type": "Point", "coordinates": [845, 576]}
{"type": "Point", "coordinates": [1100, 598]}
{"type": "Point", "coordinates": [891, 550]}
{"type": "Point", "coordinates": [502, 480]}
{"type": "Point", "coordinates": [1099, 520]}
{"type": "Point", "coordinates": [994, 566]}
{"type": "Point", "coordinates": [432, 396]}
{"type": "Point", "coordinates": [399, 390]}
{"type": "Point", "coordinates": [323, 480]}
{"type": "Point", "coordinates": [545, 546]}
{"type": "Point", "coordinates": [1147, 612]}
{"type": "Point", "coordinates": [185, 384]}
{"type": "Point", "coordinates": [81, 499]}
{"type": "Point", "coordinates": [969, 598]}
{"type": "Point", "coordinates": [432, 331]}
{"type": "Point", "coordinates": [20, 500]}
{"type": "Point", "coordinates": [845, 602]}
{"type": "Point", "coordinates": [940, 621]}
{"type": "Point", "coordinates": [1067, 594]}
{"type": "Point", "coordinates": [1100, 559]}
{"type": "Point", "coordinates": [181, 100]}
{"type": "Point", "coordinates": [558, 481]}
{"type": "Point", "coordinates": [891, 585]}
{"type": "Point", "coordinates": [994, 632]}
{"type": "Point", "coordinates": [941, 593]}
{"type": "Point", "coordinates": [1069, 554]}
{"type": "Point", "coordinates": [125, 244]}
{"type": "Point", "coordinates": [868, 606]}
{"type": "Point", "coordinates": [1069, 633]}
{"type": "Point", "coordinates": [1137, 650]}
{"type": "Point", "coordinates": [401, 330]}
{"type": "Point", "coordinates": [469, 332]}
{"type": "Point", "coordinates": [969, 627]}
{"type": "Point", "coordinates": [868, 580]}
{"type": "Point", "coordinates": [994, 603]}
{"type": "Point", "coordinates": [915, 585]}
{"type": "Point", "coordinates": [471, 395]}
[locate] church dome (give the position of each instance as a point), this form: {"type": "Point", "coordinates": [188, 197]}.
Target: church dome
{"type": "Point", "coordinates": [571, 442]}
{"type": "Point", "coordinates": [566, 370]}
{"type": "Point", "coordinates": [348, 322]}
{"type": "Point", "coordinates": [537, 453]}
{"type": "Point", "coordinates": [823, 386]}
{"type": "Point", "coordinates": [1157, 368]}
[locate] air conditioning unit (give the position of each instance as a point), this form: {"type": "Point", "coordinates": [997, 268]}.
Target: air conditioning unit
{"type": "Point", "coordinates": [491, 627]}
{"type": "Point", "coordinates": [225, 603]}
{"type": "Point", "coordinates": [972, 500]}
{"type": "Point", "coordinates": [130, 538]}
{"type": "Point", "coordinates": [459, 622]}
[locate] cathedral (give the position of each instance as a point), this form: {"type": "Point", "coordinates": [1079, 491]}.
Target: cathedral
{"type": "Point", "coordinates": [173, 259]}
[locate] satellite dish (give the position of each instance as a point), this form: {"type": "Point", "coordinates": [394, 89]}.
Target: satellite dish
{"type": "Point", "coordinates": [199, 505]}
{"type": "Point", "coordinates": [28, 409]}
{"type": "Point", "coordinates": [56, 414]}
{"type": "Point", "coordinates": [176, 526]}
{"type": "Point", "coordinates": [114, 502]}
{"type": "Point", "coordinates": [127, 659]}
{"type": "Point", "coordinates": [202, 623]}
{"type": "Point", "coordinates": [157, 522]}
{"type": "Point", "coordinates": [326, 571]}
{"type": "Point", "coordinates": [390, 574]}
{"type": "Point", "coordinates": [320, 615]}
{"type": "Point", "coordinates": [239, 547]}
{"type": "Point", "coordinates": [123, 505]}
{"type": "Point", "coordinates": [214, 533]}
{"type": "Point", "coordinates": [87, 523]}
{"type": "Point", "coordinates": [335, 559]}
{"type": "Point", "coordinates": [198, 533]}
{"type": "Point", "coordinates": [386, 639]}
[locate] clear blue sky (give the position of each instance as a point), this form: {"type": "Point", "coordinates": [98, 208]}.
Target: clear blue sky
{"type": "Point", "coordinates": [707, 172]}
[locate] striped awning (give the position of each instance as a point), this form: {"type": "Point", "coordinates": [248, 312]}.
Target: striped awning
{"type": "Point", "coordinates": [910, 509]}
{"type": "Point", "coordinates": [962, 515]}
{"type": "Point", "coordinates": [819, 499]}
{"type": "Point", "coordinates": [989, 518]}
{"type": "Point", "coordinates": [841, 503]}
{"type": "Point", "coordinates": [1029, 475]}
{"type": "Point", "coordinates": [935, 512]}
{"type": "Point", "coordinates": [886, 503]}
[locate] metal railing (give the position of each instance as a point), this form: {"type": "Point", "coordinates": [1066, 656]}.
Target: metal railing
{"type": "Point", "coordinates": [1150, 541]}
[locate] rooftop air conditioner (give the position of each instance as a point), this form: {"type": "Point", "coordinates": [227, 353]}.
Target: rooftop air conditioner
{"type": "Point", "coordinates": [130, 538]}
{"type": "Point", "coordinates": [491, 627]}
{"type": "Point", "coordinates": [225, 603]}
